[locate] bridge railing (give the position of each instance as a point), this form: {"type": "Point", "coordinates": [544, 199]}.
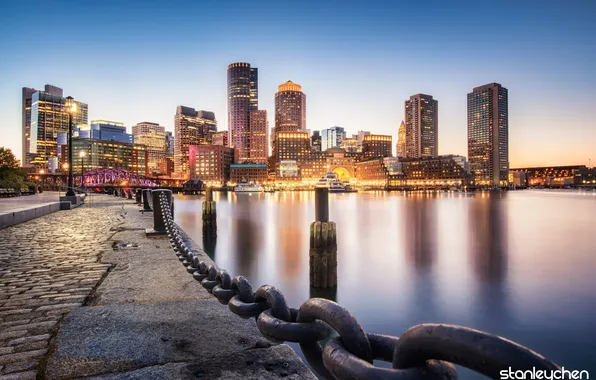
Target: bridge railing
{"type": "Point", "coordinates": [424, 351]}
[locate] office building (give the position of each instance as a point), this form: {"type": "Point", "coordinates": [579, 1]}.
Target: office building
{"type": "Point", "coordinates": [221, 138]}
{"type": "Point", "coordinates": [401, 141]}
{"type": "Point", "coordinates": [211, 163]}
{"type": "Point", "coordinates": [290, 108]}
{"type": "Point", "coordinates": [259, 137]}
{"type": "Point", "coordinates": [332, 137]}
{"type": "Point", "coordinates": [49, 117]}
{"type": "Point", "coordinates": [242, 98]}
{"type": "Point", "coordinates": [191, 127]}
{"type": "Point", "coordinates": [436, 172]}
{"type": "Point", "coordinates": [108, 154]}
{"type": "Point", "coordinates": [377, 146]}
{"type": "Point", "coordinates": [377, 172]}
{"type": "Point", "coordinates": [292, 146]}
{"type": "Point", "coordinates": [350, 144]}
{"type": "Point", "coordinates": [170, 144]}
{"type": "Point", "coordinates": [26, 101]}
{"type": "Point", "coordinates": [316, 141]}
{"type": "Point", "coordinates": [488, 135]}
{"type": "Point", "coordinates": [153, 136]}
{"type": "Point", "coordinates": [106, 130]}
{"type": "Point", "coordinates": [257, 173]}
{"type": "Point", "coordinates": [422, 126]}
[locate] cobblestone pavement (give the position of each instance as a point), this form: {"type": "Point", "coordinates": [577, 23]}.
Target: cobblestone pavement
{"type": "Point", "coordinates": [48, 266]}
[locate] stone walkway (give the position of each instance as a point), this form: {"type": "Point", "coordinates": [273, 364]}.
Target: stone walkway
{"type": "Point", "coordinates": [48, 266]}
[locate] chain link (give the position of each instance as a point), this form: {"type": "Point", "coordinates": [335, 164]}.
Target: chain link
{"type": "Point", "coordinates": [426, 351]}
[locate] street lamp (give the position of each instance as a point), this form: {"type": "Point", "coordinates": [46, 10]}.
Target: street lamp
{"type": "Point", "coordinates": [82, 155]}
{"type": "Point", "coordinates": [71, 108]}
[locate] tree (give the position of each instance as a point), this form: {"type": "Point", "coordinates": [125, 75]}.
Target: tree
{"type": "Point", "coordinates": [7, 159]}
{"type": "Point", "coordinates": [11, 175]}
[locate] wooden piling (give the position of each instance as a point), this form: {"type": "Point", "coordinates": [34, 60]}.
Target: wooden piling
{"type": "Point", "coordinates": [323, 244]}
{"type": "Point", "coordinates": [209, 215]}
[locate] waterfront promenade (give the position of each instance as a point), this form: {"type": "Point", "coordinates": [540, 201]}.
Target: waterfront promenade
{"type": "Point", "coordinates": [84, 293]}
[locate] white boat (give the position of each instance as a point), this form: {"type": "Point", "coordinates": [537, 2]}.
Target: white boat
{"type": "Point", "coordinates": [248, 187]}
{"type": "Point", "coordinates": [332, 182]}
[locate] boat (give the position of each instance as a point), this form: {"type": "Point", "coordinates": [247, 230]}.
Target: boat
{"type": "Point", "coordinates": [332, 182]}
{"type": "Point", "coordinates": [248, 187]}
{"type": "Point", "coordinates": [350, 189]}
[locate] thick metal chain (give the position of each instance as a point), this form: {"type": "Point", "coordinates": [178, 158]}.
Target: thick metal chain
{"type": "Point", "coordinates": [425, 351]}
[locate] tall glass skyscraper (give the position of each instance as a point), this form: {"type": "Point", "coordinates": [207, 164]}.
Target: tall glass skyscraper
{"type": "Point", "coordinates": [332, 137]}
{"type": "Point", "coordinates": [422, 126]}
{"type": "Point", "coordinates": [242, 98]}
{"type": "Point", "coordinates": [488, 135]}
{"type": "Point", "coordinates": [49, 117]}
{"type": "Point", "coordinates": [191, 127]}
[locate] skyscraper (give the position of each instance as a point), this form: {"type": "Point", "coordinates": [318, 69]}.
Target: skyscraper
{"type": "Point", "coordinates": [49, 117]}
{"type": "Point", "coordinates": [259, 137]}
{"type": "Point", "coordinates": [332, 137]}
{"type": "Point", "coordinates": [153, 136]}
{"type": "Point", "coordinates": [191, 127]}
{"type": "Point", "coordinates": [422, 126]}
{"type": "Point", "coordinates": [290, 108]}
{"type": "Point", "coordinates": [26, 122]}
{"type": "Point", "coordinates": [401, 141]}
{"type": "Point", "coordinates": [488, 135]}
{"type": "Point", "coordinates": [242, 98]}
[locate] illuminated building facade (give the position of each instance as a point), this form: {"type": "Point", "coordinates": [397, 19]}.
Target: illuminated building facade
{"type": "Point", "coordinates": [488, 135]}
{"type": "Point", "coordinates": [376, 146]}
{"type": "Point", "coordinates": [292, 146]}
{"type": "Point", "coordinates": [221, 138]}
{"type": "Point", "coordinates": [49, 117]}
{"type": "Point", "coordinates": [106, 154]}
{"type": "Point", "coordinates": [211, 163]}
{"type": "Point", "coordinates": [555, 176]}
{"type": "Point", "coordinates": [377, 172]}
{"type": "Point", "coordinates": [26, 101]}
{"type": "Point", "coordinates": [290, 108]}
{"type": "Point", "coordinates": [106, 130]}
{"type": "Point", "coordinates": [316, 141]}
{"type": "Point", "coordinates": [436, 172]}
{"type": "Point", "coordinates": [351, 144]}
{"type": "Point", "coordinates": [422, 126]}
{"type": "Point", "coordinates": [332, 137]}
{"type": "Point", "coordinates": [242, 98]}
{"type": "Point", "coordinates": [249, 172]}
{"type": "Point", "coordinates": [153, 136]}
{"type": "Point", "coordinates": [191, 127]}
{"type": "Point", "coordinates": [401, 141]}
{"type": "Point", "coordinates": [313, 167]}
{"type": "Point", "coordinates": [288, 170]}
{"type": "Point", "coordinates": [259, 137]}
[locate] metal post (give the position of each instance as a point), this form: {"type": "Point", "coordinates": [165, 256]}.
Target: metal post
{"type": "Point", "coordinates": [158, 217]}
{"type": "Point", "coordinates": [321, 204]}
{"type": "Point", "coordinates": [70, 192]}
{"type": "Point", "coordinates": [146, 201]}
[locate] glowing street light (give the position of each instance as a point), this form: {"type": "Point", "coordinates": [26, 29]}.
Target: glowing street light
{"type": "Point", "coordinates": [82, 155]}
{"type": "Point", "coordinates": [71, 107]}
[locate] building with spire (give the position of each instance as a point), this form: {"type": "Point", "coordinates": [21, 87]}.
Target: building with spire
{"type": "Point", "coordinates": [401, 141]}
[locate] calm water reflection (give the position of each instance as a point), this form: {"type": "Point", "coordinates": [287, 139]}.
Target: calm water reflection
{"type": "Point", "coordinates": [517, 264]}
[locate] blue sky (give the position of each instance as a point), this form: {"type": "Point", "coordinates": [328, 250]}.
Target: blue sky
{"type": "Point", "coordinates": [356, 61]}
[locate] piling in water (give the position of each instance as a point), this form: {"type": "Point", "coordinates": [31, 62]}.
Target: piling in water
{"type": "Point", "coordinates": [323, 244]}
{"type": "Point", "coordinates": [209, 215]}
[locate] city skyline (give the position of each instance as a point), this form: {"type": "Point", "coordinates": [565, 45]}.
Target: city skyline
{"type": "Point", "coordinates": [544, 70]}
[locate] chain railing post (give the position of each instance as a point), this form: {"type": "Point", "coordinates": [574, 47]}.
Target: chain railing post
{"type": "Point", "coordinates": [146, 200]}
{"type": "Point", "coordinates": [162, 211]}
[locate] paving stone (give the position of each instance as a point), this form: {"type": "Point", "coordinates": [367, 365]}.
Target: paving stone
{"type": "Point", "coordinates": [29, 375]}
{"type": "Point", "coordinates": [28, 339]}
{"type": "Point", "coordinates": [21, 356]}
{"type": "Point", "coordinates": [20, 366]}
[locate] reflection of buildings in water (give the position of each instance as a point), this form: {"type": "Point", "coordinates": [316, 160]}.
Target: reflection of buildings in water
{"type": "Point", "coordinates": [488, 250]}
{"type": "Point", "coordinates": [245, 234]}
{"type": "Point", "coordinates": [421, 247]}
{"type": "Point", "coordinates": [421, 232]}
{"type": "Point", "coordinates": [487, 237]}
{"type": "Point", "coordinates": [209, 241]}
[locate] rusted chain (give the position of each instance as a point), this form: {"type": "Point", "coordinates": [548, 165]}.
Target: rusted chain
{"type": "Point", "coordinates": [426, 351]}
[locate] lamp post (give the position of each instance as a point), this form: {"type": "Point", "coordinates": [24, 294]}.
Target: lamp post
{"type": "Point", "coordinates": [71, 107]}
{"type": "Point", "coordinates": [82, 155]}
